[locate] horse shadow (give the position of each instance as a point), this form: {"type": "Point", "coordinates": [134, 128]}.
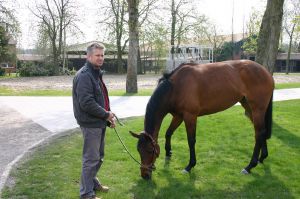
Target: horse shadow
{"type": "Point", "coordinates": [263, 185]}
{"type": "Point", "coordinates": [259, 184]}
{"type": "Point", "coordinates": [286, 136]}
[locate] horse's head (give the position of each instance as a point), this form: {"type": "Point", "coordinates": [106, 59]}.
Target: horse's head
{"type": "Point", "coordinates": [149, 150]}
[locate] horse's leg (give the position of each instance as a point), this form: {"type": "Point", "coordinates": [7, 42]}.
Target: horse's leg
{"type": "Point", "coordinates": [176, 121]}
{"type": "Point", "coordinates": [190, 124]}
{"type": "Point", "coordinates": [247, 108]}
{"type": "Point", "coordinates": [258, 121]}
{"type": "Point", "coordinates": [264, 151]}
{"type": "Point", "coordinates": [268, 131]}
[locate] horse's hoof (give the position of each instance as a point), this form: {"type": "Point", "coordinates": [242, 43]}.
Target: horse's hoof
{"type": "Point", "coordinates": [244, 171]}
{"type": "Point", "coordinates": [184, 171]}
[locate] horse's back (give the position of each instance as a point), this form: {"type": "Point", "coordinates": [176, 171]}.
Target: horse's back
{"type": "Point", "coordinates": [209, 88]}
{"type": "Point", "coordinates": [257, 80]}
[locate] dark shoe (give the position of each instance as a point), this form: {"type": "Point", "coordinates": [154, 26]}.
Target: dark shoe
{"type": "Point", "coordinates": [102, 188]}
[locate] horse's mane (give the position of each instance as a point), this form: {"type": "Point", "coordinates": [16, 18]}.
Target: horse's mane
{"type": "Point", "coordinates": [156, 104]}
{"type": "Point", "coordinates": [167, 75]}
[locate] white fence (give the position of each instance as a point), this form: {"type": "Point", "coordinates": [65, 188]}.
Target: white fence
{"type": "Point", "coordinates": [188, 54]}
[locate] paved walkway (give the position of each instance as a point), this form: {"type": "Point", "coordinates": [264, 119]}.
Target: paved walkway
{"type": "Point", "coordinates": [25, 122]}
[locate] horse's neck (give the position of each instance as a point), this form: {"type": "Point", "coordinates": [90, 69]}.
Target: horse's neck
{"type": "Point", "coordinates": [157, 108]}
{"type": "Point", "coordinates": [152, 127]}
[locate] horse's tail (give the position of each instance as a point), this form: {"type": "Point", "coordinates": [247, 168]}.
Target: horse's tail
{"type": "Point", "coordinates": [268, 119]}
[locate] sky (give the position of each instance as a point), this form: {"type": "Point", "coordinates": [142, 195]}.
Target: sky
{"type": "Point", "coordinates": [219, 11]}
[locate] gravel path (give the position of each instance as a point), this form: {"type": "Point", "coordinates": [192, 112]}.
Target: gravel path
{"type": "Point", "coordinates": [148, 81]}
{"type": "Point", "coordinates": [65, 82]}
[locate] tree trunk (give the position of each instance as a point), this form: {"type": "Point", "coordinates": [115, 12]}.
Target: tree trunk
{"type": "Point", "coordinates": [120, 10]}
{"type": "Point", "coordinates": [287, 69]}
{"type": "Point", "coordinates": [131, 81]}
{"type": "Point", "coordinates": [55, 57]}
{"type": "Point", "coordinates": [139, 61]}
{"type": "Point", "coordinates": [268, 39]}
{"type": "Point", "coordinates": [289, 50]}
{"type": "Point", "coordinates": [173, 30]}
{"type": "Point", "coordinates": [120, 68]}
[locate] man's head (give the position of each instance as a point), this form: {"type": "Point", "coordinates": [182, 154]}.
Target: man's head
{"type": "Point", "coordinates": [95, 54]}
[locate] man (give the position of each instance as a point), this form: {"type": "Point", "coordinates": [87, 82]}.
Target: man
{"type": "Point", "coordinates": [92, 112]}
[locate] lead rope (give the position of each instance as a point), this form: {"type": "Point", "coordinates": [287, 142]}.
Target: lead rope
{"type": "Point", "coordinates": [124, 144]}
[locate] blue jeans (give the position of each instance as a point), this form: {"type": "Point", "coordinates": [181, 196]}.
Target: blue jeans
{"type": "Point", "coordinates": [92, 158]}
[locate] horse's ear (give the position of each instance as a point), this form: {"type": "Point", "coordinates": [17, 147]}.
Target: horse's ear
{"type": "Point", "coordinates": [134, 134]}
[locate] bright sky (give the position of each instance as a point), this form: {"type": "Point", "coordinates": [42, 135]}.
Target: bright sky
{"type": "Point", "coordinates": [219, 11]}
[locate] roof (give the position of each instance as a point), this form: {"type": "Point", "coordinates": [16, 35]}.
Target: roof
{"type": "Point", "coordinates": [283, 56]}
{"type": "Point", "coordinates": [236, 37]}
{"type": "Point", "coordinates": [30, 57]}
{"type": "Point", "coordinates": [83, 46]}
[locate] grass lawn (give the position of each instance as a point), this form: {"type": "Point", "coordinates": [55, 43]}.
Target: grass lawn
{"type": "Point", "coordinates": [6, 91]}
{"type": "Point", "coordinates": [224, 146]}
{"type": "Point", "coordinates": [287, 85]}
{"type": "Point", "coordinates": [11, 75]}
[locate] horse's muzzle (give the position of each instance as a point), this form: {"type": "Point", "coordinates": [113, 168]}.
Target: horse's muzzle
{"type": "Point", "coordinates": [146, 172]}
{"type": "Point", "coordinates": [147, 175]}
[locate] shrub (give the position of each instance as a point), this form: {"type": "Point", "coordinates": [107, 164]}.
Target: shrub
{"type": "Point", "coordinates": [2, 71]}
{"type": "Point", "coordinates": [67, 71]}
{"type": "Point", "coordinates": [30, 69]}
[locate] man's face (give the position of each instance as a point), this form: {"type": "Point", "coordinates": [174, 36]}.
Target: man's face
{"type": "Point", "coordinates": [96, 57]}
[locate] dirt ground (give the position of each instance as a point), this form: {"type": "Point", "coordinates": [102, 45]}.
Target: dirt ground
{"type": "Point", "coordinates": [148, 81]}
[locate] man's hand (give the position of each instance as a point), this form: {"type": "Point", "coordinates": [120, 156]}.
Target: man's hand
{"type": "Point", "coordinates": [111, 119]}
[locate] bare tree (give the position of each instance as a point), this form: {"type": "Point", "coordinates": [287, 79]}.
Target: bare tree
{"type": "Point", "coordinates": [290, 24]}
{"type": "Point", "coordinates": [154, 37]}
{"type": "Point", "coordinates": [55, 17]}
{"type": "Point", "coordinates": [146, 10]}
{"type": "Point", "coordinates": [268, 39]}
{"type": "Point", "coordinates": [131, 80]}
{"type": "Point", "coordinates": [114, 20]}
{"type": "Point", "coordinates": [8, 19]}
{"type": "Point", "coordinates": [252, 31]}
{"type": "Point", "coordinates": [182, 19]}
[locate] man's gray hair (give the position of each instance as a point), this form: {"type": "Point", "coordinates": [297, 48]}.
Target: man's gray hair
{"type": "Point", "coordinates": [94, 46]}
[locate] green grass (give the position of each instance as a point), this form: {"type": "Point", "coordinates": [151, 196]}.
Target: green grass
{"type": "Point", "coordinates": [287, 85]}
{"type": "Point", "coordinates": [6, 91]}
{"type": "Point", "coordinates": [224, 146]}
{"type": "Point", "coordinates": [141, 92]}
{"type": "Point", "coordinates": [12, 75]}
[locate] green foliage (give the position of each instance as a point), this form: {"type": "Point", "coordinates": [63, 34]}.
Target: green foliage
{"type": "Point", "coordinates": [4, 51]}
{"type": "Point", "coordinates": [250, 45]}
{"type": "Point", "coordinates": [227, 49]}
{"type": "Point", "coordinates": [30, 69]}
{"type": "Point", "coordinates": [224, 146]}
{"type": "Point", "coordinates": [2, 71]}
{"type": "Point", "coordinates": [67, 71]}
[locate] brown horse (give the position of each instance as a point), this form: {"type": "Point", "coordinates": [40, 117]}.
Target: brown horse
{"type": "Point", "coordinates": [194, 90]}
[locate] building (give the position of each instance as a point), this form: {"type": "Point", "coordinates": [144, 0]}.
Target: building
{"type": "Point", "coordinates": [9, 65]}
{"type": "Point", "coordinates": [294, 63]}
{"type": "Point", "coordinates": [76, 56]}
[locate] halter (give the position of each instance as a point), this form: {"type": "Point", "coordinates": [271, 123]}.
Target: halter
{"type": "Point", "coordinates": [155, 152]}
{"type": "Point", "coordinates": [153, 142]}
